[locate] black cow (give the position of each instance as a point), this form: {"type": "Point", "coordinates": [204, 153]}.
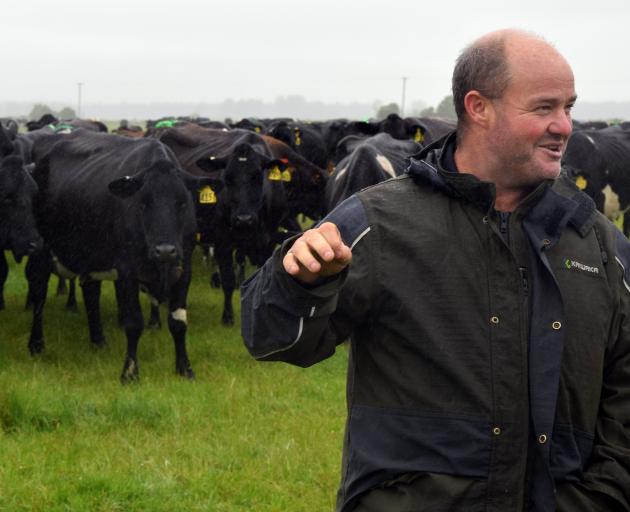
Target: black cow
{"type": "Point", "coordinates": [114, 207]}
{"type": "Point", "coordinates": [599, 162]}
{"type": "Point", "coordinates": [18, 232]}
{"type": "Point", "coordinates": [303, 185]}
{"type": "Point", "coordinates": [44, 120]}
{"type": "Point", "coordinates": [261, 177]}
{"type": "Point", "coordinates": [589, 125]}
{"type": "Point", "coordinates": [426, 130]}
{"type": "Point", "coordinates": [250, 124]}
{"type": "Point", "coordinates": [370, 161]}
{"type": "Point", "coordinates": [303, 138]}
{"type": "Point", "coordinates": [423, 130]}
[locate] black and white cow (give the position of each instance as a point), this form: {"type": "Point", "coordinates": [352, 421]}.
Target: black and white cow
{"type": "Point", "coordinates": [599, 162]}
{"type": "Point", "coordinates": [118, 208]}
{"type": "Point", "coordinates": [369, 161]}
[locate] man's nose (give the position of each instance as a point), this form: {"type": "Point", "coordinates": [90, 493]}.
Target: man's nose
{"type": "Point", "coordinates": [562, 124]}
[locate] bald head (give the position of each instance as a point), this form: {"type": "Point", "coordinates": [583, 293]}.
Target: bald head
{"type": "Point", "coordinates": [491, 62]}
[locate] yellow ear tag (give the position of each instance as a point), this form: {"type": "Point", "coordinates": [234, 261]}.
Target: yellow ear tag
{"type": "Point", "coordinates": [298, 139]}
{"type": "Point", "coordinates": [198, 237]}
{"type": "Point", "coordinates": [257, 129]}
{"type": "Point", "coordinates": [286, 175]}
{"type": "Point", "coordinates": [274, 174]}
{"type": "Point", "coordinates": [418, 137]}
{"type": "Point", "coordinates": [581, 182]}
{"type": "Point", "coordinates": [207, 195]}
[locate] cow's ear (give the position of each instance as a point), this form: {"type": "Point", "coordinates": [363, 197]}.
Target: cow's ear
{"type": "Point", "coordinates": [125, 186]}
{"type": "Point", "coordinates": [365, 127]}
{"type": "Point", "coordinates": [212, 163]}
{"type": "Point", "coordinates": [204, 190]}
{"type": "Point", "coordinates": [278, 170]}
{"type": "Point", "coordinates": [197, 183]}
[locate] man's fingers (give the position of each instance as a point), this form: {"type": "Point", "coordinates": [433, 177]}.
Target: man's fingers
{"type": "Point", "coordinates": [319, 252]}
{"type": "Point", "coordinates": [290, 264]}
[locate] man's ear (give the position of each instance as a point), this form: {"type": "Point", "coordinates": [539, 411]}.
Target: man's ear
{"type": "Point", "coordinates": [479, 109]}
{"type": "Point", "coordinates": [125, 186]}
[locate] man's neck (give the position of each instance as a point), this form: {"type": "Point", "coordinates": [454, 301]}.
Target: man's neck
{"type": "Point", "coordinates": [471, 161]}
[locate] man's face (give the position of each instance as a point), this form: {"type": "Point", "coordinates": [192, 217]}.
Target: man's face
{"type": "Point", "coordinates": [532, 121]}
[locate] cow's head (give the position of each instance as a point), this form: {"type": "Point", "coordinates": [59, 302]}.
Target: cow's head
{"type": "Point", "coordinates": [161, 208]}
{"type": "Point", "coordinates": [248, 177]}
{"type": "Point", "coordinates": [18, 192]}
{"type": "Point", "coordinates": [395, 126]}
{"type": "Point", "coordinates": [6, 141]}
{"type": "Point", "coordinates": [280, 131]}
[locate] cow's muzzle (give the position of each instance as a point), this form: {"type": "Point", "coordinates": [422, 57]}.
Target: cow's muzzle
{"type": "Point", "coordinates": [165, 253]}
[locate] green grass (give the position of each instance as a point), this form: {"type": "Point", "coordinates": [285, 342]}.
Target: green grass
{"type": "Point", "coordinates": [244, 435]}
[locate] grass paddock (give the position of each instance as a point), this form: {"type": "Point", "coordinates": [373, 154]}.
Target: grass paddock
{"type": "Point", "coordinates": [244, 435]}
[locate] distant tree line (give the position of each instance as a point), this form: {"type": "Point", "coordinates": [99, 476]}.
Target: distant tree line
{"type": "Point", "coordinates": [445, 109]}
{"type": "Point", "coordinates": [40, 109]}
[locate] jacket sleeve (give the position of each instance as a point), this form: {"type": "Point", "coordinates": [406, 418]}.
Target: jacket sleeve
{"type": "Point", "coordinates": [605, 484]}
{"type": "Point", "coordinates": [281, 320]}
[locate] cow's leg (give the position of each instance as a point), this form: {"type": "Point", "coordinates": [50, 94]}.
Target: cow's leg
{"type": "Point", "coordinates": [215, 280]}
{"type": "Point", "coordinates": [119, 308]}
{"type": "Point", "coordinates": [133, 322]}
{"type": "Point", "coordinates": [4, 272]}
{"type": "Point", "coordinates": [178, 322]}
{"type": "Point", "coordinates": [154, 315]}
{"type": "Point", "coordinates": [211, 263]}
{"type": "Point", "coordinates": [62, 287]}
{"type": "Point", "coordinates": [226, 268]}
{"type": "Point", "coordinates": [38, 270]}
{"type": "Point", "coordinates": [240, 266]}
{"type": "Point", "coordinates": [92, 299]}
{"type": "Point", "coordinates": [71, 303]}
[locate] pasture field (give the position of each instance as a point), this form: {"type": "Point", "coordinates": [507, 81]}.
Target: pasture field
{"type": "Point", "coordinates": [244, 436]}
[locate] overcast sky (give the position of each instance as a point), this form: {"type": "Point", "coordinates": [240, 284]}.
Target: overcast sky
{"type": "Point", "coordinates": [207, 51]}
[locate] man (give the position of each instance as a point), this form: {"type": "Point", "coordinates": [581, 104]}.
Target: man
{"type": "Point", "coordinates": [487, 305]}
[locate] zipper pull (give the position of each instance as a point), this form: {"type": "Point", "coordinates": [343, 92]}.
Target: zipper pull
{"type": "Point", "coordinates": [523, 272]}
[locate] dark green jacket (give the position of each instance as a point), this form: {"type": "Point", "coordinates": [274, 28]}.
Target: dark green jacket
{"type": "Point", "coordinates": [490, 357]}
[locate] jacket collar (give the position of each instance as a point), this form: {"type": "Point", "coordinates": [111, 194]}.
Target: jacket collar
{"type": "Point", "coordinates": [553, 204]}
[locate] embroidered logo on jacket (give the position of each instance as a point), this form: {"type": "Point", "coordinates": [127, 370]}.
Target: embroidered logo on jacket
{"type": "Point", "coordinates": [572, 264]}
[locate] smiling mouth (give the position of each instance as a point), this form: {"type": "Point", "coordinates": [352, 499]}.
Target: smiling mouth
{"type": "Point", "coordinates": [554, 150]}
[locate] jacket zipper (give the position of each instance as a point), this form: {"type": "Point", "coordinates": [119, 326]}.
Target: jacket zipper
{"type": "Point", "coordinates": [503, 227]}
{"type": "Point", "coordinates": [523, 272]}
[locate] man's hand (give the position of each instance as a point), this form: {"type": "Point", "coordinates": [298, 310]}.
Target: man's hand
{"type": "Point", "coordinates": [317, 253]}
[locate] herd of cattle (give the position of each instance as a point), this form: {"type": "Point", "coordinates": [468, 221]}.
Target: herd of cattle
{"type": "Point", "coordinates": [131, 206]}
